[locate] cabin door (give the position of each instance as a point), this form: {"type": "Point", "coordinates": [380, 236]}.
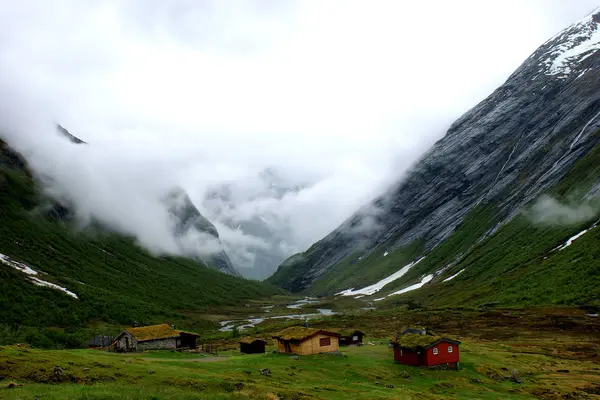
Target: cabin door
{"type": "Point", "coordinates": [288, 347]}
{"type": "Point", "coordinates": [126, 343]}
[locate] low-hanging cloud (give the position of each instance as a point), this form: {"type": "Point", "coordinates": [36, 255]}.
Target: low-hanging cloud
{"type": "Point", "coordinates": [338, 97]}
{"type": "Point", "coordinates": [547, 210]}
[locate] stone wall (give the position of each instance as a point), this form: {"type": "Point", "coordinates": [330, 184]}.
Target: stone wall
{"type": "Point", "coordinates": [159, 344]}
{"type": "Point", "coordinates": [124, 340]}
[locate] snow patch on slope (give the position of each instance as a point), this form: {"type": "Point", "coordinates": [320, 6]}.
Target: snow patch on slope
{"type": "Point", "coordinates": [576, 43]}
{"type": "Point", "coordinates": [39, 282]}
{"type": "Point", "coordinates": [28, 271]}
{"type": "Point", "coordinates": [17, 265]}
{"type": "Point", "coordinates": [453, 276]}
{"type": "Point", "coordinates": [376, 287]}
{"type": "Point", "coordinates": [424, 280]}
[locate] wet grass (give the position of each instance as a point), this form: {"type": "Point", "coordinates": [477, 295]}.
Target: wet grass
{"type": "Point", "coordinates": [506, 354]}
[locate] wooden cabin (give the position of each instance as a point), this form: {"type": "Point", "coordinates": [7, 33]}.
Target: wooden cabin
{"type": "Point", "coordinates": [100, 341]}
{"type": "Point", "coordinates": [154, 337]}
{"type": "Point", "coordinates": [426, 350]}
{"type": "Point", "coordinates": [252, 346]}
{"type": "Point", "coordinates": [350, 337]}
{"type": "Point", "coordinates": [305, 341]}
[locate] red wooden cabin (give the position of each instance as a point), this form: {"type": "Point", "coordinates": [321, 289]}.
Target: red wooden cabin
{"type": "Point", "coordinates": [426, 350]}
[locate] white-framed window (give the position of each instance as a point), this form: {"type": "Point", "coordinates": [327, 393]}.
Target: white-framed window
{"type": "Point", "coordinates": [354, 337]}
{"type": "Point", "coordinates": [435, 351]}
{"type": "Point", "coordinates": [450, 349]}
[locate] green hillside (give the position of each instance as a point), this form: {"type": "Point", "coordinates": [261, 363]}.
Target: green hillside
{"type": "Point", "coordinates": [514, 266]}
{"type": "Point", "coordinates": [117, 282]}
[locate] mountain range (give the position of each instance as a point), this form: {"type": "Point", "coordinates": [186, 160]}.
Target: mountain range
{"type": "Point", "coordinates": [535, 135]}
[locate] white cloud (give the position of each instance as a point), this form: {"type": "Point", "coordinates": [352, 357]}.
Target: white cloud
{"type": "Point", "coordinates": [343, 94]}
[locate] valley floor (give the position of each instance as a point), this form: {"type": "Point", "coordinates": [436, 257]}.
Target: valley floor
{"type": "Point", "coordinates": [508, 354]}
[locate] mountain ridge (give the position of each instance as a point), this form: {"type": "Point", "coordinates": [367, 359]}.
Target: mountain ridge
{"type": "Point", "coordinates": [504, 152]}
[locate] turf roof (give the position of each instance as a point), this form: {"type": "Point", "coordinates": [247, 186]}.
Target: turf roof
{"type": "Point", "coordinates": [154, 332]}
{"type": "Point", "coordinates": [301, 333]}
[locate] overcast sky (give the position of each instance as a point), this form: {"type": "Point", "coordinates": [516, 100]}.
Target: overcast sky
{"type": "Point", "coordinates": [343, 94]}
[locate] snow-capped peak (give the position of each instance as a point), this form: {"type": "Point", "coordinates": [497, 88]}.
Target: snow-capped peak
{"type": "Point", "coordinates": [573, 45]}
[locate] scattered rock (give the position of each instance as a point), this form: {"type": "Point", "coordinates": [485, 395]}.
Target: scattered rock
{"type": "Point", "coordinates": [378, 383]}
{"type": "Point", "coordinates": [514, 377]}
{"type": "Point", "coordinates": [390, 386]}
{"type": "Point", "coordinates": [265, 372]}
{"type": "Point", "coordinates": [239, 386]}
{"type": "Point", "coordinates": [404, 374]}
{"type": "Point", "coordinates": [292, 374]}
{"type": "Point", "coordinates": [592, 389]}
{"type": "Point", "coordinates": [476, 380]}
{"type": "Point", "coordinates": [86, 369]}
{"type": "Point", "coordinates": [446, 385]}
{"type": "Point", "coordinates": [151, 372]}
{"type": "Point", "coordinates": [57, 374]}
{"type": "Point", "coordinates": [295, 357]}
{"type": "Point", "coordinates": [128, 361]}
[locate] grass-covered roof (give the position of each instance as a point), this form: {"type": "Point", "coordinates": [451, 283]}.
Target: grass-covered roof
{"type": "Point", "coordinates": [347, 331]}
{"type": "Point", "coordinates": [154, 332]}
{"type": "Point", "coordinates": [250, 340]}
{"type": "Point", "coordinates": [301, 333]}
{"type": "Point", "coordinates": [414, 342]}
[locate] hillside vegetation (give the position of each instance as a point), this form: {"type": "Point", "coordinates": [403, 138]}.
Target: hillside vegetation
{"type": "Point", "coordinates": [117, 282]}
{"type": "Point", "coordinates": [519, 264]}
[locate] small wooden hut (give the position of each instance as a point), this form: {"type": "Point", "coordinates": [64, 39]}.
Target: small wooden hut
{"type": "Point", "coordinates": [350, 337]}
{"type": "Point", "coordinates": [252, 345]}
{"type": "Point", "coordinates": [154, 337]}
{"type": "Point", "coordinates": [426, 350]}
{"type": "Point", "coordinates": [305, 341]}
{"type": "Point", "coordinates": [100, 341]}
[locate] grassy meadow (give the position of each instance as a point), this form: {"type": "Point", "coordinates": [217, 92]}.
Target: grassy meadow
{"type": "Point", "coordinates": [549, 354]}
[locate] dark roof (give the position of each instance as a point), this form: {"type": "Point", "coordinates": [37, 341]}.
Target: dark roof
{"type": "Point", "coordinates": [413, 331]}
{"type": "Point", "coordinates": [414, 342]}
{"type": "Point", "coordinates": [298, 333]}
{"type": "Point", "coordinates": [98, 340]}
{"type": "Point", "coordinates": [348, 332]}
{"type": "Point", "coordinates": [251, 340]}
{"type": "Point", "coordinates": [155, 332]}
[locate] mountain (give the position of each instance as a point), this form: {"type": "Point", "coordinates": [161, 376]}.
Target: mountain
{"type": "Point", "coordinates": [223, 202]}
{"type": "Point", "coordinates": [188, 220]}
{"type": "Point", "coordinates": [60, 284]}
{"type": "Point", "coordinates": [536, 134]}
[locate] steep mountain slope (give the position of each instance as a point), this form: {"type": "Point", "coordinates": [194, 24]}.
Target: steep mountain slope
{"type": "Point", "coordinates": [188, 220]}
{"type": "Point", "coordinates": [56, 281]}
{"type": "Point", "coordinates": [500, 156]}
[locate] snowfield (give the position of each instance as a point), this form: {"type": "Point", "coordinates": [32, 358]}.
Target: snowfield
{"type": "Point", "coordinates": [416, 286]}
{"type": "Point", "coordinates": [376, 287]}
{"type": "Point", "coordinates": [453, 276]}
{"type": "Point", "coordinates": [6, 260]}
{"type": "Point", "coordinates": [577, 43]}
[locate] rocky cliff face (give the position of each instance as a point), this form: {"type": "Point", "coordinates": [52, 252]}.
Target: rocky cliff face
{"type": "Point", "coordinates": [504, 152]}
{"type": "Point", "coordinates": [189, 221]}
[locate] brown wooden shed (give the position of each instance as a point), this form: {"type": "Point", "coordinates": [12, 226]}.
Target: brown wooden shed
{"type": "Point", "coordinates": [252, 345]}
{"type": "Point", "coordinates": [305, 341]}
{"type": "Point", "coordinates": [350, 337]}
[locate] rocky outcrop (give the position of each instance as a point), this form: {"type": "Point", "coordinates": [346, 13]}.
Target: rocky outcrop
{"type": "Point", "coordinates": [504, 152]}
{"type": "Point", "coordinates": [189, 220]}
